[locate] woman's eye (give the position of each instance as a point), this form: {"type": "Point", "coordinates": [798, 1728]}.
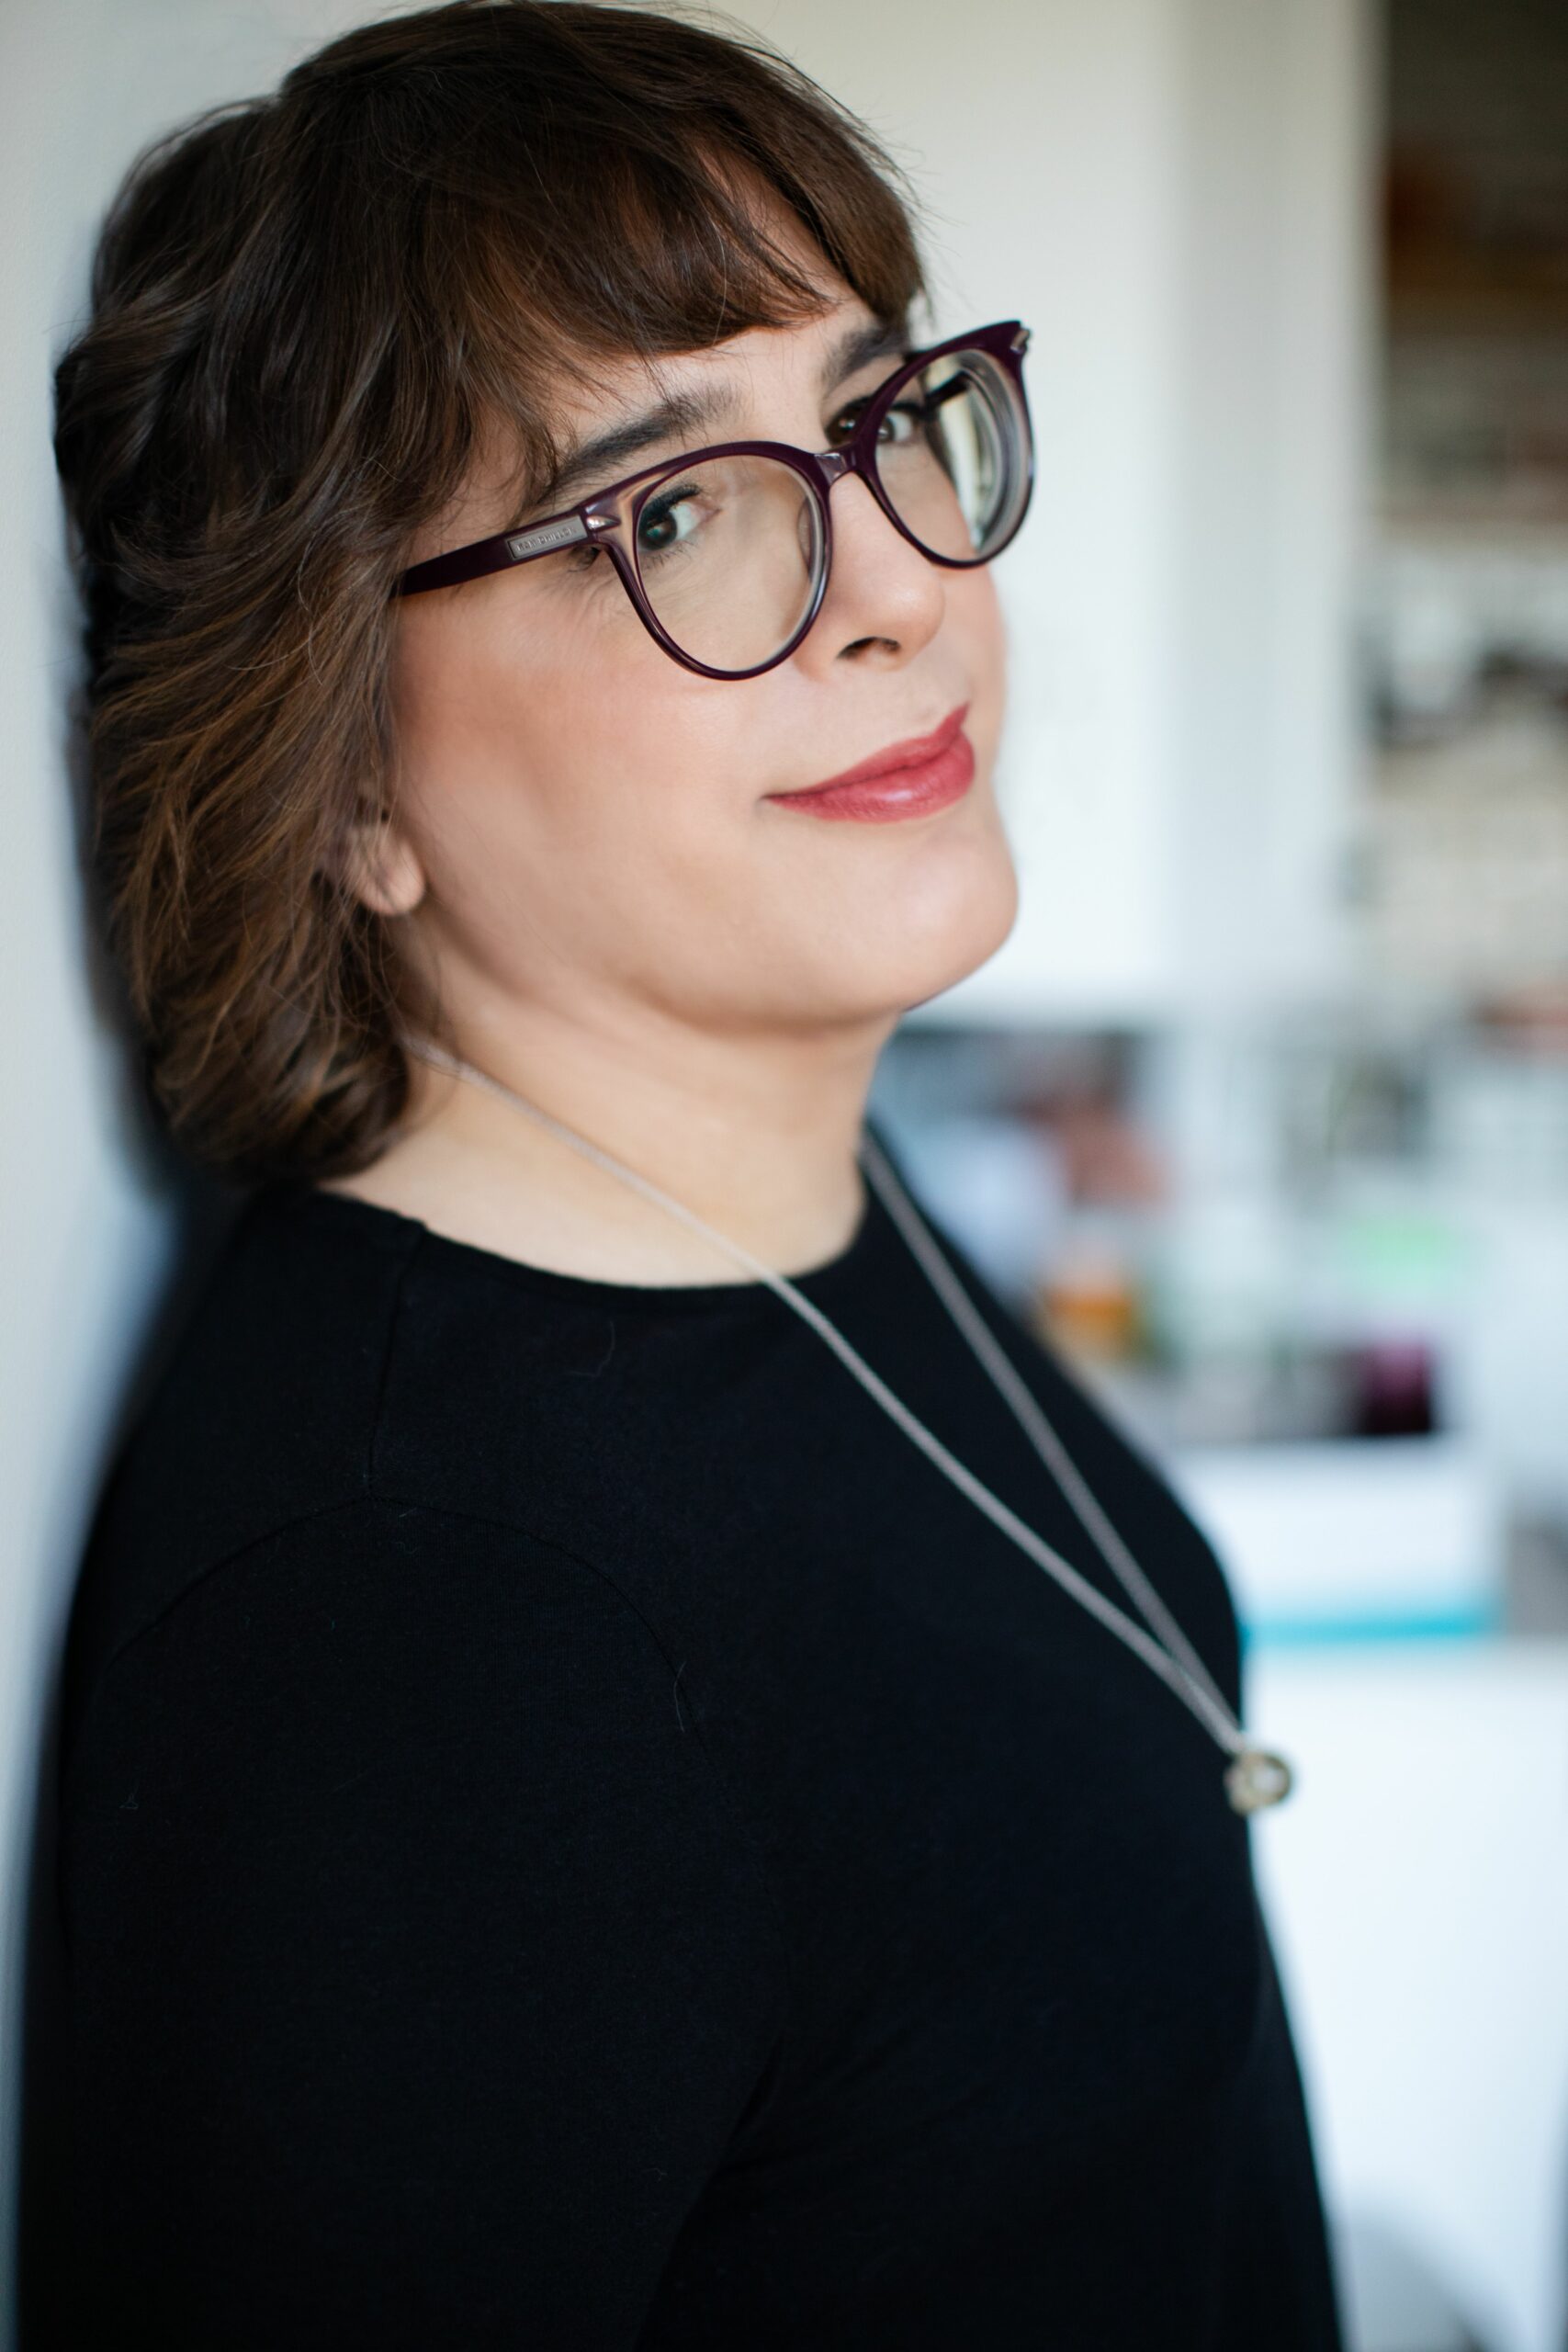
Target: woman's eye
{"type": "Point", "coordinates": [900, 424]}
{"type": "Point", "coordinates": [668, 520]}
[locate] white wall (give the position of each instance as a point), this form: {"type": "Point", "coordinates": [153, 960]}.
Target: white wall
{"type": "Point", "coordinates": [1416, 1883]}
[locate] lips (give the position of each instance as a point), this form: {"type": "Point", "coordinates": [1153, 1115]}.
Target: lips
{"type": "Point", "coordinates": [914, 751]}
{"type": "Point", "coordinates": [914, 778]}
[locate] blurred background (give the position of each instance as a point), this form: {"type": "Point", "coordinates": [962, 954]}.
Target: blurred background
{"type": "Point", "coordinates": [1261, 1115]}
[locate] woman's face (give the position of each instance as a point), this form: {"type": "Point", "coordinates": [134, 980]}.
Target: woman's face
{"type": "Point", "coordinates": [584, 826]}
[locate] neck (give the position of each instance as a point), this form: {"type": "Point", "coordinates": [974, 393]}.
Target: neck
{"type": "Point", "coordinates": [756, 1135]}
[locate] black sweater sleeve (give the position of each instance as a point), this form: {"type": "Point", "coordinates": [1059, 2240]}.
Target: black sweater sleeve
{"type": "Point", "coordinates": [424, 1971]}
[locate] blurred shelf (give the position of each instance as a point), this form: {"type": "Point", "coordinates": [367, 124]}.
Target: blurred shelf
{"type": "Point", "coordinates": [1470, 291]}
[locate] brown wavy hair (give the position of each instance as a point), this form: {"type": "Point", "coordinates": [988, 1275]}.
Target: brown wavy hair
{"type": "Point", "coordinates": [305, 310]}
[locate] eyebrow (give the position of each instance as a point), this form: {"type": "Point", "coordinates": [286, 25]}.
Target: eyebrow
{"type": "Point", "coordinates": [684, 414]}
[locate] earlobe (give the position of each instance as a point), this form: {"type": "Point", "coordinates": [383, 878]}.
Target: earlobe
{"type": "Point", "coordinates": [381, 867]}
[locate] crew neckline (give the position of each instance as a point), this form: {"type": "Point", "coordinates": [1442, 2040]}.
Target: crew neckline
{"type": "Point", "coordinates": [348, 1211]}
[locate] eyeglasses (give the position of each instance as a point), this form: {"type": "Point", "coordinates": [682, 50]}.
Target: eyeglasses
{"type": "Point", "coordinates": [724, 552]}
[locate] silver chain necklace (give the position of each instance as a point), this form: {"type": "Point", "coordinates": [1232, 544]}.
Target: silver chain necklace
{"type": "Point", "coordinates": [1255, 1776]}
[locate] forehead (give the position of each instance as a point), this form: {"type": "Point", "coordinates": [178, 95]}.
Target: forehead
{"type": "Point", "coordinates": [733, 369]}
{"type": "Point", "coordinates": [612, 388]}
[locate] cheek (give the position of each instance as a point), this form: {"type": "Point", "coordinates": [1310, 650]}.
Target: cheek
{"type": "Point", "coordinates": [558, 743]}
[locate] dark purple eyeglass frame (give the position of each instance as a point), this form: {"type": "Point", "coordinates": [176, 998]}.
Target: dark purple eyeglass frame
{"type": "Point", "coordinates": [589, 519]}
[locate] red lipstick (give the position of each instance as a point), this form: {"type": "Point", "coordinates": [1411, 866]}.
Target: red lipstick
{"type": "Point", "coordinates": [909, 779]}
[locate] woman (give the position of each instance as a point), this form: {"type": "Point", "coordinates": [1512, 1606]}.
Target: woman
{"type": "Point", "coordinates": [574, 1829]}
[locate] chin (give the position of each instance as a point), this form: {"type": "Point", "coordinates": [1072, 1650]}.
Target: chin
{"type": "Point", "coordinates": [950, 943]}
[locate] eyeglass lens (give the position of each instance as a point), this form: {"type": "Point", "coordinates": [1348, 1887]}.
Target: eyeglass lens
{"type": "Point", "coordinates": [730, 552]}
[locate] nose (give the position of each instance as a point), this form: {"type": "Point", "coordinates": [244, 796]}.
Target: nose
{"type": "Point", "coordinates": [883, 595]}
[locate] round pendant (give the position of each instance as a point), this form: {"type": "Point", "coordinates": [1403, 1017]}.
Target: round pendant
{"type": "Point", "coordinates": [1256, 1777]}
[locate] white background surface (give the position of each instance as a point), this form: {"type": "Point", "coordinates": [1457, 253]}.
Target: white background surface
{"type": "Point", "coordinates": [1416, 1880]}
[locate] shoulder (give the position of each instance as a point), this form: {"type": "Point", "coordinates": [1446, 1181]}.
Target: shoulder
{"type": "Point", "coordinates": [367, 1578]}
{"type": "Point", "coordinates": [262, 1412]}
{"type": "Point", "coordinates": [396, 1674]}
{"type": "Point", "coordinates": [333, 1373]}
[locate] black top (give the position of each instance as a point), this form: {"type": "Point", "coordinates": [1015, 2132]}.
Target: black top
{"type": "Point", "coordinates": [576, 1834]}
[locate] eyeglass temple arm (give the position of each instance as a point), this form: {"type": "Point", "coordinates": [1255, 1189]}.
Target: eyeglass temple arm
{"type": "Point", "coordinates": [497, 554]}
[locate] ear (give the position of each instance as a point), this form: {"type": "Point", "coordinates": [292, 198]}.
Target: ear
{"type": "Point", "coordinates": [380, 866]}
